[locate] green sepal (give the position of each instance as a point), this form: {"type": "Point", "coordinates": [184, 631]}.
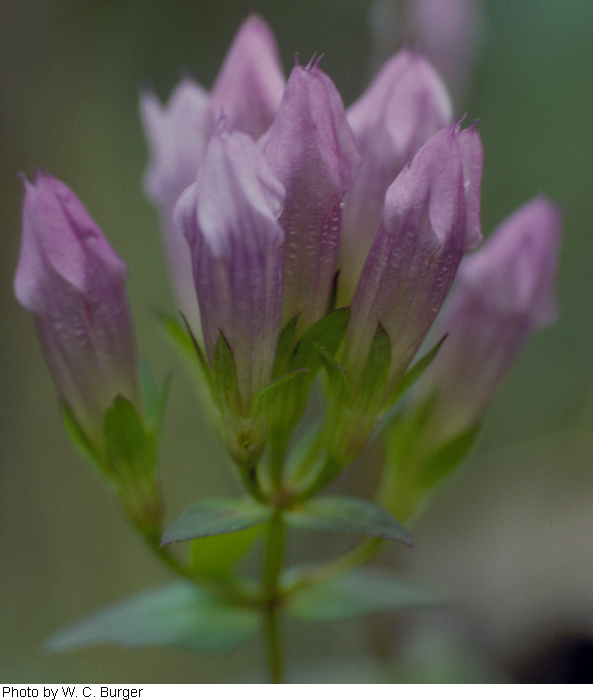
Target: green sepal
{"type": "Point", "coordinates": [224, 378]}
{"type": "Point", "coordinates": [265, 398]}
{"type": "Point", "coordinates": [415, 372]}
{"type": "Point", "coordinates": [216, 556]}
{"type": "Point", "coordinates": [183, 340]}
{"type": "Point", "coordinates": [131, 450]}
{"type": "Point", "coordinates": [416, 463]}
{"type": "Point", "coordinates": [331, 303]}
{"type": "Point", "coordinates": [284, 347]}
{"type": "Point", "coordinates": [328, 332]}
{"type": "Point", "coordinates": [360, 593]}
{"type": "Point", "coordinates": [447, 458]}
{"type": "Point", "coordinates": [178, 615]}
{"type": "Point", "coordinates": [78, 437]}
{"type": "Point", "coordinates": [338, 379]}
{"type": "Point", "coordinates": [215, 516]}
{"type": "Point", "coordinates": [154, 399]}
{"type": "Point", "coordinates": [376, 369]}
{"type": "Point", "coordinates": [347, 515]}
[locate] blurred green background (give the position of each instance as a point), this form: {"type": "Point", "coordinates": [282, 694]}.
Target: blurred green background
{"type": "Point", "coordinates": [511, 539]}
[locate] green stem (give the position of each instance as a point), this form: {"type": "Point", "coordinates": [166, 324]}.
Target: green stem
{"type": "Point", "coordinates": [271, 597]}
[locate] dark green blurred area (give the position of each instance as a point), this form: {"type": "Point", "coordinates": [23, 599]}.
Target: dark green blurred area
{"type": "Point", "coordinates": [511, 539]}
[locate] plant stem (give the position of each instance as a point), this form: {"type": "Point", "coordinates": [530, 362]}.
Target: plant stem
{"type": "Point", "coordinates": [271, 598]}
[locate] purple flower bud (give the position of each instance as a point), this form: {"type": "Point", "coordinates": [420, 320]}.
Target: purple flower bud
{"type": "Point", "coordinates": [230, 218]}
{"type": "Point", "coordinates": [311, 151]}
{"type": "Point", "coordinates": [249, 87]}
{"type": "Point", "coordinates": [177, 135]}
{"type": "Point", "coordinates": [431, 218]}
{"type": "Point", "coordinates": [72, 281]}
{"type": "Point", "coordinates": [246, 93]}
{"type": "Point", "coordinates": [404, 106]}
{"type": "Point", "coordinates": [505, 291]}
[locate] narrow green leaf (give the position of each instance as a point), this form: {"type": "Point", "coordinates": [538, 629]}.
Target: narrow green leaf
{"type": "Point", "coordinates": [415, 372]}
{"type": "Point", "coordinates": [360, 593]}
{"type": "Point", "coordinates": [349, 515]}
{"type": "Point", "coordinates": [338, 379]}
{"type": "Point", "coordinates": [216, 516]}
{"type": "Point", "coordinates": [284, 347]}
{"type": "Point", "coordinates": [217, 555]}
{"type": "Point", "coordinates": [178, 614]}
{"type": "Point", "coordinates": [328, 332]}
{"type": "Point", "coordinates": [224, 378]}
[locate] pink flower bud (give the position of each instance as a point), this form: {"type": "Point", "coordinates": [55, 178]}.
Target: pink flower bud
{"type": "Point", "coordinates": [431, 218]}
{"type": "Point", "coordinates": [72, 281]}
{"type": "Point", "coordinates": [311, 150]}
{"type": "Point", "coordinates": [506, 290]}
{"type": "Point", "coordinates": [230, 218]}
{"type": "Point", "coordinates": [404, 106]}
{"type": "Point", "coordinates": [246, 93]}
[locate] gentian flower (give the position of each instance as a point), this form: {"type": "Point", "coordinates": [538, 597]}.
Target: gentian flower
{"type": "Point", "coordinates": [504, 292]}
{"type": "Point", "coordinates": [230, 218]}
{"type": "Point", "coordinates": [311, 150]}
{"type": "Point", "coordinates": [431, 218]}
{"type": "Point", "coordinates": [404, 106]}
{"type": "Point", "coordinates": [247, 92]}
{"type": "Point", "coordinates": [73, 282]}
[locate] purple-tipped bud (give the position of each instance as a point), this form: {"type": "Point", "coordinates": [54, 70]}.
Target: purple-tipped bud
{"type": "Point", "coordinates": [230, 218]}
{"type": "Point", "coordinates": [177, 135]}
{"type": "Point", "coordinates": [431, 219]}
{"type": "Point", "coordinates": [506, 290]}
{"type": "Point", "coordinates": [404, 106]}
{"type": "Point", "coordinates": [311, 151]}
{"type": "Point", "coordinates": [249, 87]}
{"type": "Point", "coordinates": [72, 281]}
{"type": "Point", "coordinates": [246, 93]}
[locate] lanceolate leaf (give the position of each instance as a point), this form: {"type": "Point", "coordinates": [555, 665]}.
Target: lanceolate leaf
{"type": "Point", "coordinates": [216, 516]}
{"type": "Point", "coordinates": [175, 615]}
{"type": "Point", "coordinates": [360, 593]}
{"type": "Point", "coordinates": [217, 555]}
{"type": "Point", "coordinates": [348, 515]}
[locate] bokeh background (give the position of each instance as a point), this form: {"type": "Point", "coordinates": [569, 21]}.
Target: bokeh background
{"type": "Point", "coordinates": [511, 539]}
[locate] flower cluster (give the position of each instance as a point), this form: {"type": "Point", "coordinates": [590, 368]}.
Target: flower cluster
{"type": "Point", "coordinates": [300, 236]}
{"type": "Point", "coordinates": [302, 239]}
